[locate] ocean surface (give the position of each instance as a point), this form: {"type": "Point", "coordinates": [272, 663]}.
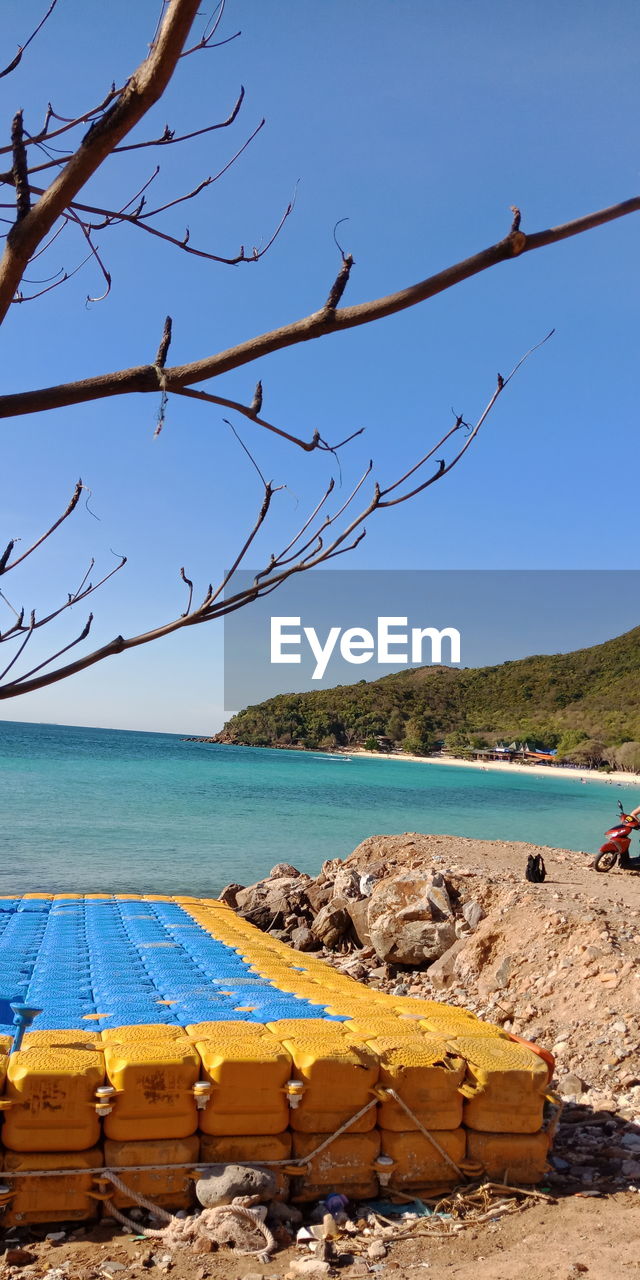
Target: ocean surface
{"type": "Point", "coordinates": [108, 810]}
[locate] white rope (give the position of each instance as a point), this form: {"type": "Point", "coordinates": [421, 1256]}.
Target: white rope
{"type": "Point", "coordinates": [136, 1195]}
{"type": "Point", "coordinates": [182, 1230]}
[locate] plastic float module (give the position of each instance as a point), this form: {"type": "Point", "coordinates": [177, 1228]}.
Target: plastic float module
{"type": "Point", "coordinates": [172, 1033]}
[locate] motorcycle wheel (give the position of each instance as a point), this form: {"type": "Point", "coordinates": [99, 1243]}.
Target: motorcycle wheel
{"type": "Point", "coordinates": [605, 861]}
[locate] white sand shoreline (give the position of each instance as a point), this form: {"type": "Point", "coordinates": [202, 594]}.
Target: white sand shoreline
{"type": "Point", "coordinates": [617, 778]}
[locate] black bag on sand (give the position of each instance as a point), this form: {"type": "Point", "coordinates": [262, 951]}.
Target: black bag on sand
{"type": "Point", "coordinates": [536, 871]}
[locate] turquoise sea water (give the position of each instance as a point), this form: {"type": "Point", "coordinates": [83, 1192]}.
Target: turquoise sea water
{"type": "Point", "coordinates": [108, 810]}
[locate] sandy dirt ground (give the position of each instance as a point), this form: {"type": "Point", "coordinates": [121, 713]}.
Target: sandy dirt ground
{"type": "Point", "coordinates": [578, 1235]}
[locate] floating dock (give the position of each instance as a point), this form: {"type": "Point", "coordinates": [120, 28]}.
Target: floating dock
{"type": "Point", "coordinates": [173, 1034]}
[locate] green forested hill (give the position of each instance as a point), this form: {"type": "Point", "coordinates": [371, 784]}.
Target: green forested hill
{"type": "Point", "coordinates": [573, 701]}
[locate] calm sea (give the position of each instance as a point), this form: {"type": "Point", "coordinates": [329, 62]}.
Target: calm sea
{"type": "Point", "coordinates": [106, 810]}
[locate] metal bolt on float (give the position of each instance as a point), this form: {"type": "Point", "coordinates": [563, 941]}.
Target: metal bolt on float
{"type": "Point", "coordinates": [384, 1166]}
{"type": "Point", "coordinates": [104, 1099]}
{"type": "Point", "coordinates": [294, 1090]}
{"type": "Point", "coordinates": [202, 1093]}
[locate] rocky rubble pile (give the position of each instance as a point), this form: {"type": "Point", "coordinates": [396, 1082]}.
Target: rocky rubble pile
{"type": "Point", "coordinates": [455, 920]}
{"type": "Point", "coordinates": [597, 1149]}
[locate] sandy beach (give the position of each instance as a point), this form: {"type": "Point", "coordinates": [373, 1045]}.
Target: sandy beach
{"type": "Point", "coordinates": [618, 778]}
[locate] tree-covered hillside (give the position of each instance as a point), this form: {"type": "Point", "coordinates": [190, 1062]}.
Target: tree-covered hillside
{"type": "Point", "coordinates": [576, 702]}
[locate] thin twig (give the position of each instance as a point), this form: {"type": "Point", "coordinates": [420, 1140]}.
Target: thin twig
{"type": "Point", "coordinates": [444, 468]}
{"type": "Point", "coordinates": [208, 34]}
{"type": "Point", "coordinates": [165, 343]}
{"type": "Point", "coordinates": [168, 137]}
{"type": "Point", "coordinates": [19, 170]}
{"type": "Point", "coordinates": [18, 58]}
{"type": "Point", "coordinates": [189, 584]}
{"type": "Point", "coordinates": [340, 283]}
{"type": "Point", "coordinates": [208, 398]}
{"type": "Point", "coordinates": [66, 275]}
{"type": "Point", "coordinates": [21, 648]}
{"type": "Point", "coordinates": [36, 139]}
{"type": "Point", "coordinates": [246, 450]}
{"type": "Point", "coordinates": [47, 662]}
{"type": "Point", "coordinates": [94, 251]}
{"type": "Point", "coordinates": [136, 220]}
{"type": "Point", "coordinates": [75, 498]}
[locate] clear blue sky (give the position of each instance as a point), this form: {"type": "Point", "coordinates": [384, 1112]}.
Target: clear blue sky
{"type": "Point", "coordinates": [421, 121]}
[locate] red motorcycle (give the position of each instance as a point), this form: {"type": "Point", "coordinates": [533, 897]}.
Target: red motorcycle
{"type": "Point", "coordinates": [616, 847]}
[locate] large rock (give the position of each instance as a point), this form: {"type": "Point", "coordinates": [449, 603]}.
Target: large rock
{"type": "Point", "coordinates": [304, 940]}
{"type": "Point", "coordinates": [368, 883]}
{"type": "Point", "coordinates": [230, 893]}
{"type": "Point", "coordinates": [442, 972]}
{"type": "Point", "coordinates": [410, 919]}
{"type": "Point", "coordinates": [438, 899]}
{"type": "Point", "coordinates": [347, 883]}
{"type": "Point", "coordinates": [268, 900]}
{"type": "Point", "coordinates": [318, 894]}
{"type": "Point", "coordinates": [414, 942]}
{"type": "Point", "coordinates": [406, 895]}
{"type": "Point", "coordinates": [283, 869]}
{"type": "Point", "coordinates": [358, 909]}
{"type": "Point", "coordinates": [473, 914]}
{"type": "Point", "coordinates": [503, 973]}
{"type": "Point", "coordinates": [331, 923]}
{"type": "Point", "coordinates": [223, 1182]}
{"type": "Point", "coordinates": [329, 869]}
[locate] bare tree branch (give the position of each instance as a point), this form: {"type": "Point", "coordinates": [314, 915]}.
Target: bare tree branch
{"type": "Point", "coordinates": [138, 218]}
{"type": "Point", "coordinates": [36, 139]}
{"type": "Point", "coordinates": [66, 275]}
{"type": "Point", "coordinates": [168, 138]}
{"type": "Point", "coordinates": [340, 283]}
{"type": "Point", "coordinates": [21, 648]}
{"type": "Point", "coordinates": [19, 170]}
{"type": "Point", "coordinates": [72, 504]}
{"type": "Point", "coordinates": [246, 450]}
{"type": "Point", "coordinates": [142, 91]}
{"type": "Point", "coordinates": [54, 656]}
{"type": "Point", "coordinates": [142, 378]}
{"type": "Point", "coordinates": [18, 58]}
{"type": "Point", "coordinates": [210, 30]}
{"type": "Point", "coordinates": [324, 534]}
{"type": "Point", "coordinates": [165, 343]}
{"type": "Point", "coordinates": [161, 357]}
{"type": "Point", "coordinates": [279, 559]}
{"type": "Point", "coordinates": [68, 125]}
{"type": "Point", "coordinates": [314, 552]}
{"type": "Point", "coordinates": [247, 412]}
{"type": "Point", "coordinates": [81, 593]}
{"type": "Point", "coordinates": [93, 252]}
{"type": "Point", "coordinates": [189, 584]}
